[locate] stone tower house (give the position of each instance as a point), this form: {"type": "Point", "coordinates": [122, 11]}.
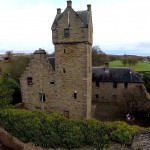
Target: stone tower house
{"type": "Point", "coordinates": [72, 38]}
{"type": "Point", "coordinates": [68, 84]}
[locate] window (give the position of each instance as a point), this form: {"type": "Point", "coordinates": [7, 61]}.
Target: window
{"type": "Point", "coordinates": [64, 51]}
{"type": "Point", "coordinates": [66, 33]}
{"type": "Point", "coordinates": [97, 96]}
{"type": "Point", "coordinates": [42, 97]}
{"type": "Point", "coordinates": [114, 84]}
{"type": "Point", "coordinates": [29, 81]}
{"type": "Point", "coordinates": [52, 82]}
{"type": "Point", "coordinates": [75, 95]}
{"type": "Point", "coordinates": [125, 85]}
{"type": "Point", "coordinates": [64, 71]}
{"type": "Point", "coordinates": [97, 83]}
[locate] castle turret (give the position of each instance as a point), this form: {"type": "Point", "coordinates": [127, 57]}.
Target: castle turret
{"type": "Point", "coordinates": [72, 38]}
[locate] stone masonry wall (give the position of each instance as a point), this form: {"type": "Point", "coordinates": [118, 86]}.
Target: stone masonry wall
{"type": "Point", "coordinates": [114, 103]}
{"type": "Point", "coordinates": [76, 31]}
{"type": "Point", "coordinates": [77, 78]}
{"type": "Point", "coordinates": [73, 65]}
{"type": "Point", "coordinates": [42, 76]}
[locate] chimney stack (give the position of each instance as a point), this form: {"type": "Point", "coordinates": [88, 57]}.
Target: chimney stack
{"type": "Point", "coordinates": [88, 7]}
{"type": "Point", "coordinates": [58, 11]}
{"type": "Point", "coordinates": [69, 3]}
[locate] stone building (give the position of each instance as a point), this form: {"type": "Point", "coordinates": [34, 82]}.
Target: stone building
{"type": "Point", "coordinates": [67, 83]}
{"type": "Point", "coordinates": [69, 92]}
{"type": "Point", "coordinates": [115, 92]}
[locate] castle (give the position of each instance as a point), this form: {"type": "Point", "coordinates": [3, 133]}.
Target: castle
{"type": "Point", "coordinates": [68, 83]}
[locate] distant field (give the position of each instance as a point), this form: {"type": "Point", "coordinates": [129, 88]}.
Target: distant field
{"type": "Point", "coordinates": [140, 66]}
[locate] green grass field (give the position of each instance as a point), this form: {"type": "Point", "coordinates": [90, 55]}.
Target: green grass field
{"type": "Point", "coordinates": [140, 66]}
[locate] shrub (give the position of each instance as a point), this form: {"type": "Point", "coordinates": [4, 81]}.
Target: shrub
{"type": "Point", "coordinates": [53, 130]}
{"type": "Point", "coordinates": [122, 132]}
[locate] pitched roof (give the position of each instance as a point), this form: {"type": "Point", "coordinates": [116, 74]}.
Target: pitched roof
{"type": "Point", "coordinates": [51, 60]}
{"type": "Point", "coordinates": [54, 25]}
{"type": "Point", "coordinates": [115, 74]}
{"type": "Point", "coordinates": [82, 14]}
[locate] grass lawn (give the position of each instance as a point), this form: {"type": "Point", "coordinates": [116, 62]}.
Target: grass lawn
{"type": "Point", "coordinates": [140, 66]}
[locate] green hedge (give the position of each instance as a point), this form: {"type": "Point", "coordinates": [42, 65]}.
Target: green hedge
{"type": "Point", "coordinates": [53, 130]}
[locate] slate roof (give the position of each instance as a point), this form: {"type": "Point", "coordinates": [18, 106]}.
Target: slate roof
{"type": "Point", "coordinates": [82, 14]}
{"type": "Point", "coordinates": [115, 74]}
{"type": "Point", "coordinates": [51, 60]}
{"type": "Point", "coordinates": [54, 25]}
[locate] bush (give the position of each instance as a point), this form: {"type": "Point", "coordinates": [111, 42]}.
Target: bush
{"type": "Point", "coordinates": [53, 130]}
{"type": "Point", "coordinates": [9, 91]}
{"type": "Point", "coordinates": [122, 132]}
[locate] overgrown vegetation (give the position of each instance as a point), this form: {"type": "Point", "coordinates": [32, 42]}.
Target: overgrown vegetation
{"type": "Point", "coordinates": [53, 130]}
{"type": "Point", "coordinates": [146, 78]}
{"type": "Point", "coordinates": [11, 69]}
{"type": "Point", "coordinates": [14, 65]}
{"type": "Point", "coordinates": [99, 58]}
{"type": "Point", "coordinates": [9, 90]}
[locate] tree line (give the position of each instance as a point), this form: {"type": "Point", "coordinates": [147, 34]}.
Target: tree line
{"type": "Point", "coordinates": [99, 58]}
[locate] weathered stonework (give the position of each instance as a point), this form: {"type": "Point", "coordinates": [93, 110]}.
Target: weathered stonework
{"type": "Point", "coordinates": [73, 63]}
{"type": "Point", "coordinates": [68, 83]}
{"type": "Point", "coordinates": [114, 103]}
{"type": "Point", "coordinates": [42, 75]}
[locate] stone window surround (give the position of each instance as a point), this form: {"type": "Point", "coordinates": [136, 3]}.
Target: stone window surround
{"type": "Point", "coordinates": [30, 80]}
{"type": "Point", "coordinates": [75, 94]}
{"type": "Point", "coordinates": [66, 32]}
{"type": "Point", "coordinates": [52, 82]}
{"type": "Point", "coordinates": [42, 97]}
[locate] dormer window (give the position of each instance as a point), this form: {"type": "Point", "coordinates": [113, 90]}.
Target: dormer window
{"type": "Point", "coordinates": [66, 33]}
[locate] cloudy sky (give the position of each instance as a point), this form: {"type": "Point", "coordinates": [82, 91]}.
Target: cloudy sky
{"type": "Point", "coordinates": [120, 26]}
